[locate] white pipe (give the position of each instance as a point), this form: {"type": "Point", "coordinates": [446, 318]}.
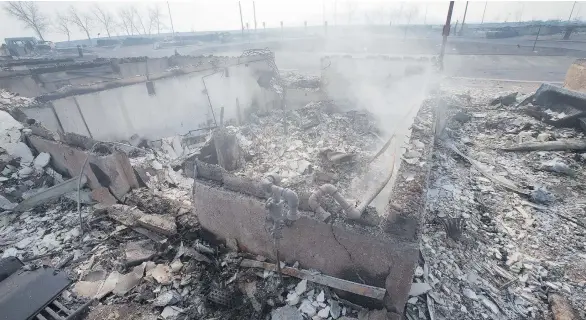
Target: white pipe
{"type": "Point", "coordinates": [331, 190]}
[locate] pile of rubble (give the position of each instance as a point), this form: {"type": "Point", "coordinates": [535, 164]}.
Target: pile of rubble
{"type": "Point", "coordinates": [12, 100]}
{"type": "Point", "coordinates": [300, 81]}
{"type": "Point", "coordinates": [22, 174]}
{"type": "Point", "coordinates": [126, 257]}
{"type": "Point", "coordinates": [309, 147]}
{"type": "Point", "coordinates": [140, 251]}
{"type": "Point", "coordinates": [506, 232]}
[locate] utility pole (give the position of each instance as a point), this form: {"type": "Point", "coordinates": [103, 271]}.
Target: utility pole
{"type": "Point", "coordinates": [484, 12]}
{"type": "Point", "coordinates": [571, 12]}
{"type": "Point", "coordinates": [446, 33]}
{"type": "Point", "coordinates": [171, 18]}
{"type": "Point", "coordinates": [464, 20]}
{"type": "Point", "coordinates": [537, 37]}
{"type": "Point", "coordinates": [425, 16]}
{"type": "Point", "coordinates": [241, 21]}
{"type": "Point", "coordinates": [254, 10]}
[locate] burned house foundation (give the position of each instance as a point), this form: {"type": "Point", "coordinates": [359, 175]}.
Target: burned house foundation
{"type": "Point", "coordinates": [382, 254]}
{"type": "Point", "coordinates": [311, 185]}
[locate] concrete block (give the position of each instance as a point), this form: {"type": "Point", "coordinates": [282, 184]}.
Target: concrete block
{"type": "Point", "coordinates": [103, 196]}
{"type": "Point", "coordinates": [112, 171]}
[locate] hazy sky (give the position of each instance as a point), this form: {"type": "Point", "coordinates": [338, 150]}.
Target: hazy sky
{"type": "Point", "coordinates": [205, 15]}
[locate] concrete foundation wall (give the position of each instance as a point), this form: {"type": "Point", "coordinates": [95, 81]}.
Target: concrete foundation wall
{"type": "Point", "coordinates": [34, 82]}
{"type": "Point", "coordinates": [178, 106]}
{"type": "Point", "coordinates": [229, 206]}
{"type": "Point", "coordinates": [24, 85]}
{"type": "Point", "coordinates": [349, 252]}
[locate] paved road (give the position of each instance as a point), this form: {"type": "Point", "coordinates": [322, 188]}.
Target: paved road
{"type": "Point", "coordinates": [530, 68]}
{"type": "Point", "coordinates": [481, 58]}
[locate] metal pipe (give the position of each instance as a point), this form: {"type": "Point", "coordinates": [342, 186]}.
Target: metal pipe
{"type": "Point", "coordinates": [536, 37]}
{"type": "Point", "coordinates": [82, 118]}
{"type": "Point", "coordinates": [571, 12]}
{"type": "Point", "coordinates": [380, 188]}
{"type": "Point", "coordinates": [270, 187]}
{"type": "Point", "coordinates": [446, 33]}
{"type": "Point", "coordinates": [80, 310]}
{"type": "Point", "coordinates": [208, 95]}
{"type": "Point", "coordinates": [351, 212]}
{"type": "Point", "coordinates": [331, 190]}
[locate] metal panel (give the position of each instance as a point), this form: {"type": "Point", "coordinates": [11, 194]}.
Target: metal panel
{"type": "Point", "coordinates": [9, 266]}
{"type": "Point", "coordinates": [25, 293]}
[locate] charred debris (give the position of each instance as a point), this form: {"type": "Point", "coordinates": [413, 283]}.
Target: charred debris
{"type": "Point", "coordinates": [504, 235]}
{"type": "Point", "coordinates": [505, 219]}
{"type": "Point", "coordinates": [115, 220]}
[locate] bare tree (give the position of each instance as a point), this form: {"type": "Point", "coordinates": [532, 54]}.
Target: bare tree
{"type": "Point", "coordinates": [62, 24]}
{"type": "Point", "coordinates": [155, 17]}
{"type": "Point", "coordinates": [127, 20]}
{"type": "Point", "coordinates": [28, 13]}
{"type": "Point", "coordinates": [142, 21]}
{"type": "Point", "coordinates": [82, 20]}
{"type": "Point", "coordinates": [105, 18]}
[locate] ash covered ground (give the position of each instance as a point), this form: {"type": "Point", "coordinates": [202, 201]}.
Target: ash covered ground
{"type": "Point", "coordinates": [503, 238]}
{"type": "Point", "coordinates": [518, 255]}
